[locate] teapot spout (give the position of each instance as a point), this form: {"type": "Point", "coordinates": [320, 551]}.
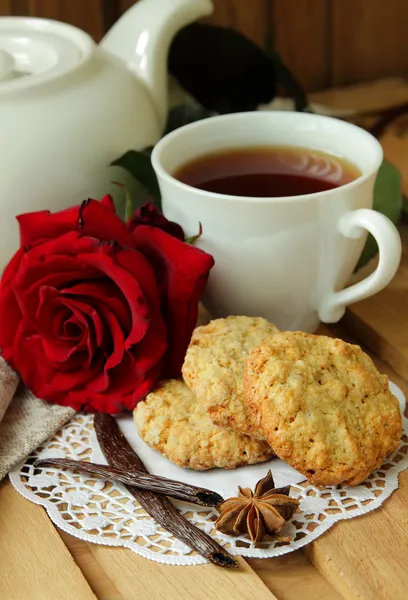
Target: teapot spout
{"type": "Point", "coordinates": [142, 38]}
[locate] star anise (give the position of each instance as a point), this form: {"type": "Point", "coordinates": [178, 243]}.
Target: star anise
{"type": "Point", "coordinates": [259, 513]}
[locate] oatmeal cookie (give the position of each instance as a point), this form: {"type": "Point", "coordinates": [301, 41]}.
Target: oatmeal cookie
{"type": "Point", "coordinates": [214, 367]}
{"type": "Point", "coordinates": [323, 406]}
{"type": "Point", "coordinates": [171, 421]}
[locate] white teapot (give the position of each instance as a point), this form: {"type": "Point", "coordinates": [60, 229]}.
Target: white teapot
{"type": "Point", "coordinates": [68, 107]}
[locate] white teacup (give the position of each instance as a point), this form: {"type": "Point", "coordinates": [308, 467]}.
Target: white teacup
{"type": "Point", "coordinates": [286, 258]}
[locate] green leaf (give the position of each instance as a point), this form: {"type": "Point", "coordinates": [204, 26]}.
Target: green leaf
{"type": "Point", "coordinates": [388, 201]}
{"type": "Point", "coordinates": [192, 239]}
{"type": "Point", "coordinates": [139, 165]}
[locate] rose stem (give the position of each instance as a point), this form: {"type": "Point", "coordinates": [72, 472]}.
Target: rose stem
{"type": "Point", "coordinates": [118, 453]}
{"type": "Point", "coordinates": [139, 479]}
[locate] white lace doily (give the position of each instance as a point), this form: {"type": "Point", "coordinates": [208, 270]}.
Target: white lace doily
{"type": "Point", "coordinates": [103, 513]}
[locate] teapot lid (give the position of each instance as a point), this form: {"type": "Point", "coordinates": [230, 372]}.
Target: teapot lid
{"type": "Point", "coordinates": [33, 51]}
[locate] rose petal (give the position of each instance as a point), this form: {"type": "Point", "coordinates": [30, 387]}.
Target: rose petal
{"type": "Point", "coordinates": [33, 369]}
{"type": "Point", "coordinates": [9, 308]}
{"type": "Point", "coordinates": [86, 322]}
{"type": "Point", "coordinates": [130, 288]}
{"type": "Point", "coordinates": [91, 218]}
{"type": "Point", "coordinates": [93, 317]}
{"type": "Point", "coordinates": [149, 214]}
{"type": "Point", "coordinates": [117, 336]}
{"type": "Point", "coordinates": [72, 330]}
{"type": "Point", "coordinates": [181, 272]}
{"type": "Point", "coordinates": [65, 381]}
{"type": "Point", "coordinates": [50, 316]}
{"type": "Point", "coordinates": [88, 341]}
{"type": "Point", "coordinates": [108, 202]}
{"type": "Point", "coordinates": [103, 291]}
{"type": "Point", "coordinates": [52, 356]}
{"type": "Point", "coordinates": [142, 271]}
{"type": "Point", "coordinates": [112, 403]}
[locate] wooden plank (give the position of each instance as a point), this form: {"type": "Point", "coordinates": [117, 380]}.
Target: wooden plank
{"type": "Point", "coordinates": [365, 97]}
{"type": "Point", "coordinates": [99, 582]}
{"type": "Point", "coordinates": [123, 5]}
{"type": "Point", "coordinates": [19, 7]}
{"type": "Point", "coordinates": [363, 558]}
{"type": "Point", "coordinates": [396, 151]}
{"type": "Point", "coordinates": [34, 562]}
{"type": "Point", "coordinates": [5, 7]}
{"type": "Point", "coordinates": [367, 38]}
{"type": "Point", "coordinates": [88, 15]}
{"type": "Point", "coordinates": [250, 18]}
{"type": "Point", "coordinates": [386, 337]}
{"type": "Point", "coordinates": [126, 570]}
{"type": "Point", "coordinates": [285, 576]}
{"type": "Point", "coordinates": [300, 33]}
{"type": "Point", "coordinates": [292, 576]}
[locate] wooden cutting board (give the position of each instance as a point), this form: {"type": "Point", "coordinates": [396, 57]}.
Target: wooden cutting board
{"type": "Point", "coordinates": [381, 322]}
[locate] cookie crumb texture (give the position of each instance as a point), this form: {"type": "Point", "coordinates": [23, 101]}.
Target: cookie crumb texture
{"type": "Point", "coordinates": [323, 406]}
{"type": "Point", "coordinates": [171, 421]}
{"type": "Point", "coordinates": [214, 368]}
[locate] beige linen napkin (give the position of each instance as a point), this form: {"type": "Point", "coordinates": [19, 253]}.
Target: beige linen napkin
{"type": "Point", "coordinates": [26, 421]}
{"type": "Point", "coordinates": [9, 381]}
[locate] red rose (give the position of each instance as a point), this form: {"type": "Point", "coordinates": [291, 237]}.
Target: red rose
{"type": "Point", "coordinates": [149, 214]}
{"type": "Point", "coordinates": [92, 315]}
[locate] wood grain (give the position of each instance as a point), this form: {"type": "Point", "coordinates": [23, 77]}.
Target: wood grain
{"type": "Point", "coordinates": [101, 585]}
{"type": "Point", "coordinates": [365, 98]}
{"type": "Point", "coordinates": [250, 18]}
{"type": "Point", "coordinates": [5, 7]}
{"type": "Point", "coordinates": [324, 42]}
{"type": "Point", "coordinates": [363, 558]}
{"type": "Point", "coordinates": [288, 577]}
{"type": "Point", "coordinates": [123, 5]}
{"type": "Point", "coordinates": [293, 577]}
{"type": "Point", "coordinates": [88, 15]}
{"type": "Point", "coordinates": [131, 574]}
{"type": "Point", "coordinates": [300, 35]}
{"type": "Point", "coordinates": [32, 554]}
{"type": "Point", "coordinates": [387, 337]}
{"type": "Point", "coordinates": [396, 151]}
{"type": "Point", "coordinates": [367, 39]}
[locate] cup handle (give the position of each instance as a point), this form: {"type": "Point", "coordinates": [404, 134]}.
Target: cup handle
{"type": "Point", "coordinates": [352, 225]}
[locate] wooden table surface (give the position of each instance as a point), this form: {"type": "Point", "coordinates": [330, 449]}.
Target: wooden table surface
{"type": "Point", "coordinates": [364, 558]}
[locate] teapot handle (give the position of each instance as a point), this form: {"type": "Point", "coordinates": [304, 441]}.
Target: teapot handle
{"type": "Point", "coordinates": [142, 36]}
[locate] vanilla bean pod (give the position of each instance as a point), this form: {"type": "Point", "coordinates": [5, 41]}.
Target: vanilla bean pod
{"type": "Point", "coordinates": [118, 453]}
{"type": "Point", "coordinates": [139, 479]}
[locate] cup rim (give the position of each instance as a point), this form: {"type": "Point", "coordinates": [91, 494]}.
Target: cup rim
{"type": "Point", "coordinates": [168, 139]}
